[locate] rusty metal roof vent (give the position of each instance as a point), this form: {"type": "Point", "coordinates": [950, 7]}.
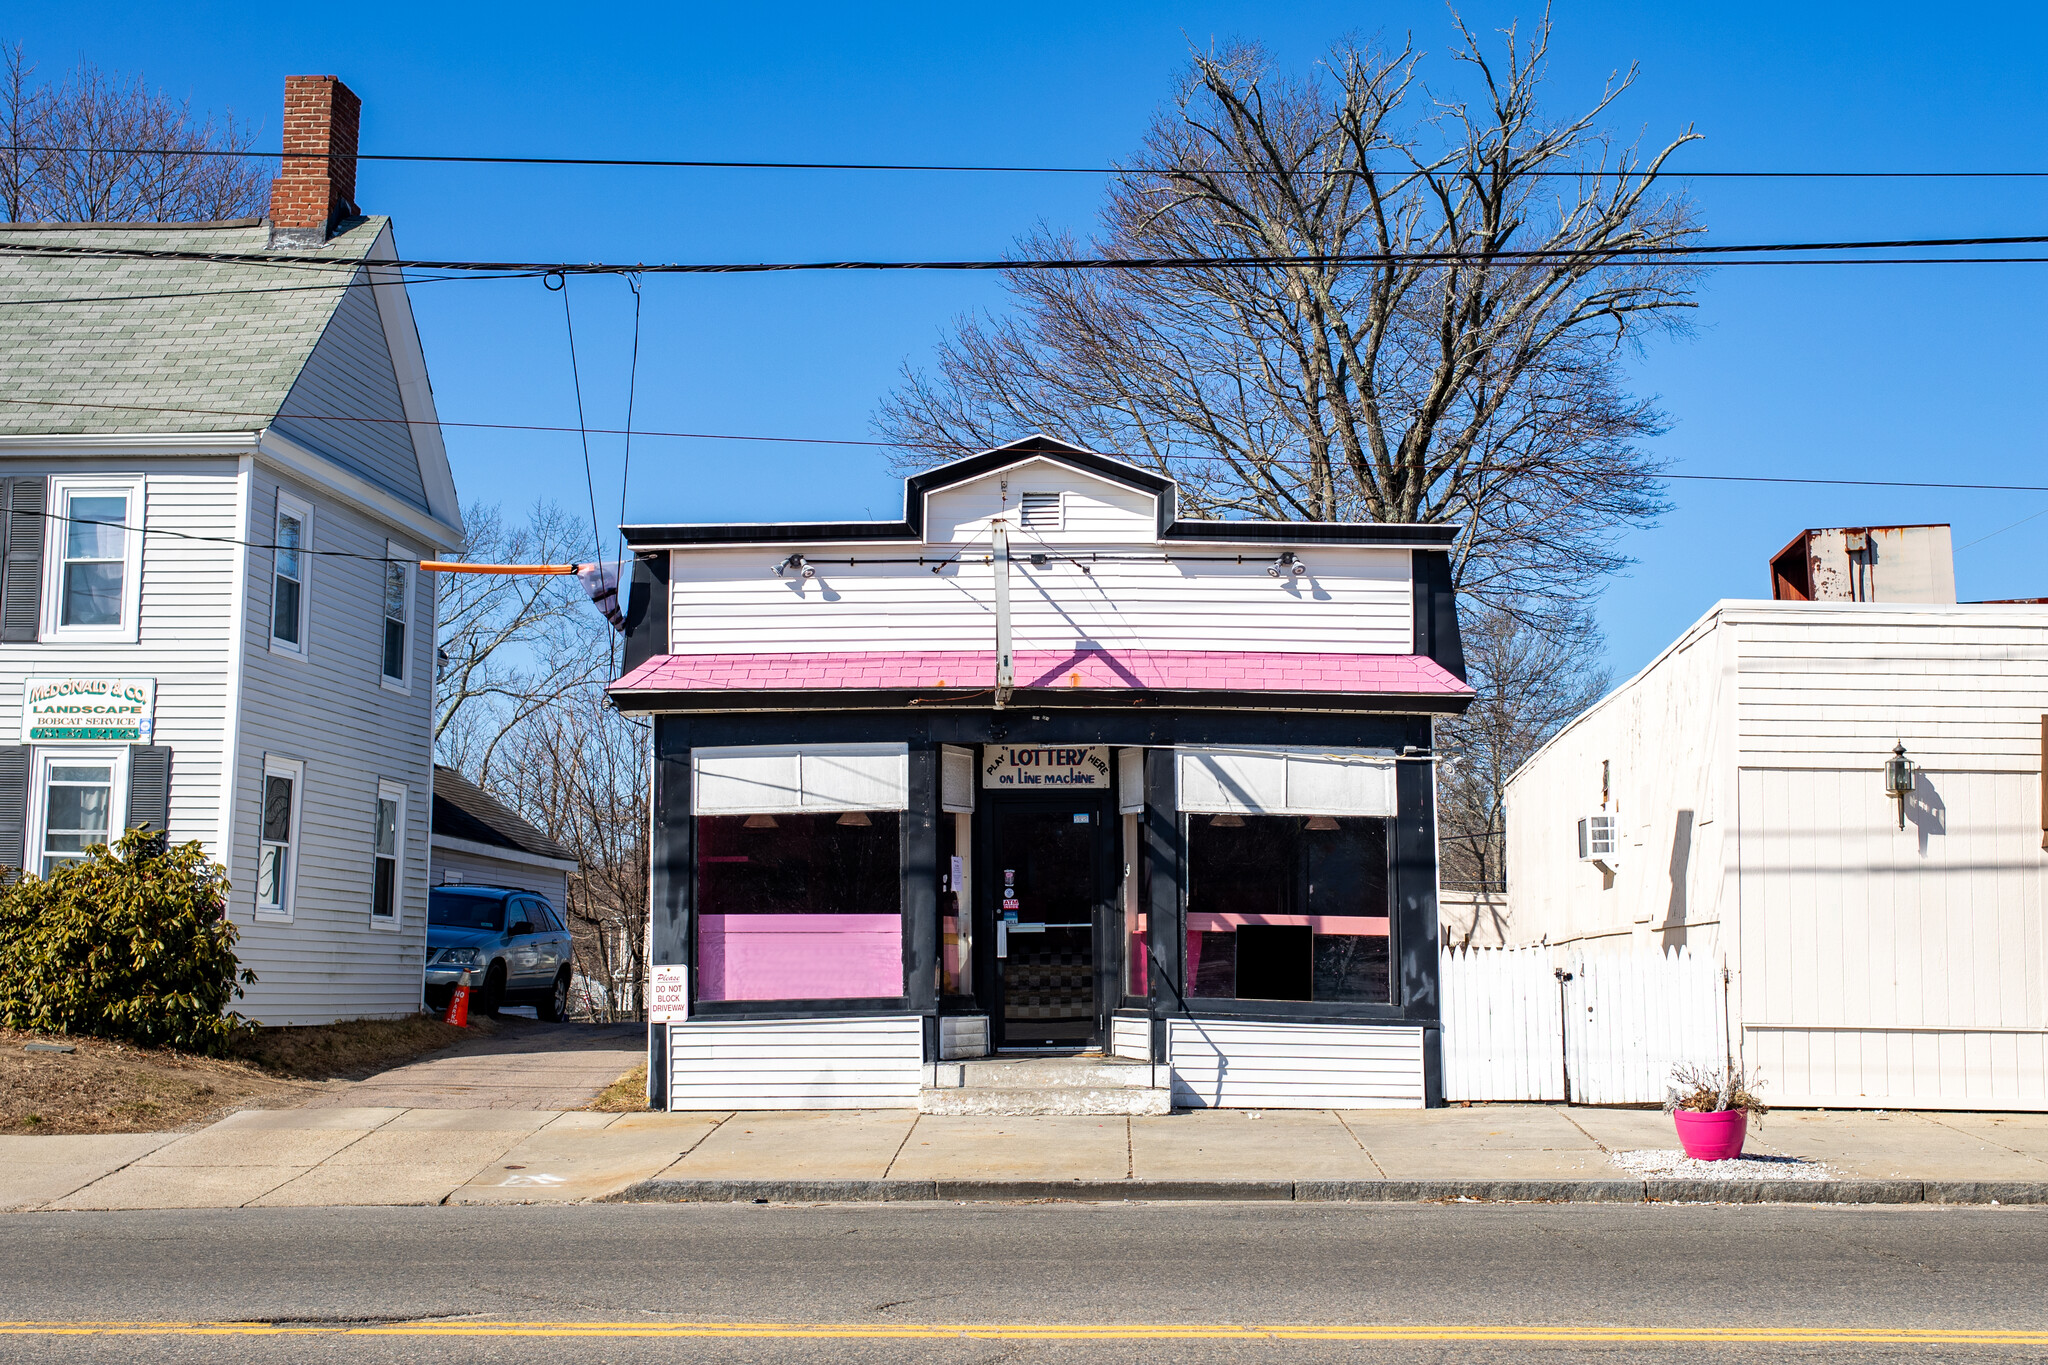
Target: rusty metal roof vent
{"type": "Point", "coordinates": [1866, 564]}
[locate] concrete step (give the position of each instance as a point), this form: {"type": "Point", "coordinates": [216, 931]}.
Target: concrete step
{"type": "Point", "coordinates": [1041, 1073]}
{"type": "Point", "coordinates": [1011, 1100]}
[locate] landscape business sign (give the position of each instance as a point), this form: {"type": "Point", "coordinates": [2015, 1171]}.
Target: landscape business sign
{"type": "Point", "coordinates": [88, 710]}
{"type": "Point", "coordinates": [1045, 767]}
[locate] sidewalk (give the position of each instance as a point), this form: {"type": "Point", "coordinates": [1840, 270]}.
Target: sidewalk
{"type": "Point", "coordinates": [394, 1155]}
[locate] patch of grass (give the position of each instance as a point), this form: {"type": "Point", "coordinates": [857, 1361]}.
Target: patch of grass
{"type": "Point", "coordinates": [626, 1095]}
{"type": "Point", "coordinates": [109, 1087]}
{"type": "Point", "coordinates": [353, 1048]}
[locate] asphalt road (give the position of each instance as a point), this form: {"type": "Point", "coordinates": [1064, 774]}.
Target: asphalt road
{"type": "Point", "coordinates": [1181, 1283]}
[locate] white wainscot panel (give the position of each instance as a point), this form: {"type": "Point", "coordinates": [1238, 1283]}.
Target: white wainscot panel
{"type": "Point", "coordinates": [1130, 1036]}
{"type": "Point", "coordinates": [1900, 1068]}
{"type": "Point", "coordinates": [866, 1063]}
{"type": "Point", "coordinates": [1238, 1064]}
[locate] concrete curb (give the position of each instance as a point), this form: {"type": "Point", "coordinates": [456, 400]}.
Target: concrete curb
{"type": "Point", "coordinates": [670, 1191]}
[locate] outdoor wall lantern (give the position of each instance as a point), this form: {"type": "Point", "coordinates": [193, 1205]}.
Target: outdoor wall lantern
{"type": "Point", "coordinates": [795, 564]}
{"type": "Point", "coordinates": [1287, 561]}
{"type": "Point", "coordinates": [1898, 779]}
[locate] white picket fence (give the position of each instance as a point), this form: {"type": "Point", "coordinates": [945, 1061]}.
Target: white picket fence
{"type": "Point", "coordinates": [1503, 1025]}
{"type": "Point", "coordinates": [1602, 1028]}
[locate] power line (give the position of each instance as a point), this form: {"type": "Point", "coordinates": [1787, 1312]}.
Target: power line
{"type": "Point", "coordinates": [899, 445]}
{"type": "Point", "coordinates": [363, 282]}
{"type": "Point", "coordinates": [1610, 255]}
{"type": "Point", "coordinates": [214, 540]}
{"type": "Point", "coordinates": [660, 163]}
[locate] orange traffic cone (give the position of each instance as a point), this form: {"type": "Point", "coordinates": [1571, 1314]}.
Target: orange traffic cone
{"type": "Point", "coordinates": [458, 1004]}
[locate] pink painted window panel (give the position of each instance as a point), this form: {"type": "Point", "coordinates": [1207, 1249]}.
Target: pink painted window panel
{"type": "Point", "coordinates": [799, 957]}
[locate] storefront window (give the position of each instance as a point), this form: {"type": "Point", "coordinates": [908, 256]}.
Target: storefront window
{"type": "Point", "coordinates": [799, 906]}
{"type": "Point", "coordinates": [1288, 907]}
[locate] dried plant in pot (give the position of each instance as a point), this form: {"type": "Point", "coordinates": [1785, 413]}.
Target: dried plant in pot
{"type": "Point", "coordinates": [1711, 1108]}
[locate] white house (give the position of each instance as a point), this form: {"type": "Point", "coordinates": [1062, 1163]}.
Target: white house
{"type": "Point", "coordinates": [211, 619]}
{"type": "Point", "coordinates": [1882, 950]}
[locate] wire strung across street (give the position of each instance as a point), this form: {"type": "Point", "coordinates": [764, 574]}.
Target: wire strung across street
{"type": "Point", "coordinates": [1611, 255]}
{"type": "Point", "coordinates": [897, 445]}
{"type": "Point", "coordinates": [1562, 172]}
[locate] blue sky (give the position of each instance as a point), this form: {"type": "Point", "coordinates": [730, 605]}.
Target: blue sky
{"type": "Point", "coordinates": [1840, 372]}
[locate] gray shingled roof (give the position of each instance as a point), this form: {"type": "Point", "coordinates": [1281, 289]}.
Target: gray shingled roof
{"type": "Point", "coordinates": [464, 810]}
{"type": "Point", "coordinates": [216, 352]}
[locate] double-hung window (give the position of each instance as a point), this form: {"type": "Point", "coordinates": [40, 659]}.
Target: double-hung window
{"type": "Point", "coordinates": [387, 841]}
{"type": "Point", "coordinates": [290, 562]}
{"type": "Point", "coordinates": [277, 864]}
{"type": "Point", "coordinates": [78, 801]}
{"type": "Point", "coordinates": [95, 556]}
{"type": "Point", "coordinates": [398, 571]}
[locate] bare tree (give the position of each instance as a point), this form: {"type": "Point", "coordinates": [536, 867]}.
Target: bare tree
{"type": "Point", "coordinates": [581, 774]}
{"type": "Point", "coordinates": [1533, 672]}
{"type": "Point", "coordinates": [1469, 373]}
{"type": "Point", "coordinates": [514, 645]}
{"type": "Point", "coordinates": [521, 712]}
{"type": "Point", "coordinates": [100, 147]}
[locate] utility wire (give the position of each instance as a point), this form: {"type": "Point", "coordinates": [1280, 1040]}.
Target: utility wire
{"type": "Point", "coordinates": [632, 389]}
{"type": "Point", "coordinates": [1616, 254]}
{"type": "Point", "coordinates": [582, 426]}
{"type": "Point", "coordinates": [663, 163]}
{"type": "Point", "coordinates": [214, 540]}
{"type": "Point", "coordinates": [268, 418]}
{"type": "Point", "coordinates": [363, 282]}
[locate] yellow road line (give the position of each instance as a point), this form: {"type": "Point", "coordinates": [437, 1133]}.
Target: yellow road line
{"type": "Point", "coordinates": [1059, 1332]}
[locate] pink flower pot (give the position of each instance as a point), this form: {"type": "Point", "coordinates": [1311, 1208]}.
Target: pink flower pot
{"type": "Point", "coordinates": [1712, 1137]}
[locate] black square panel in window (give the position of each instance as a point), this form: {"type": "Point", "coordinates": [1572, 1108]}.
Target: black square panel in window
{"type": "Point", "coordinates": [1273, 961]}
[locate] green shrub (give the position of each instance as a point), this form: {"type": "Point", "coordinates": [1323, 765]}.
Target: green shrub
{"type": "Point", "coordinates": [132, 943]}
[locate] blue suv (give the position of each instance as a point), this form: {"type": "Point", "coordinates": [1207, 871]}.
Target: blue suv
{"type": "Point", "coordinates": [513, 942]}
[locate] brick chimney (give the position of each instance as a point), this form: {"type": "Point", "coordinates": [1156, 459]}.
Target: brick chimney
{"type": "Point", "coordinates": [317, 186]}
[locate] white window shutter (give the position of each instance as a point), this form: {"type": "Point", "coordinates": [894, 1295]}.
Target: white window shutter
{"type": "Point", "coordinates": [737, 781]}
{"type": "Point", "coordinates": [956, 779]}
{"type": "Point", "coordinates": [1288, 781]}
{"type": "Point", "coordinates": [771, 779]}
{"type": "Point", "coordinates": [1340, 784]}
{"type": "Point", "coordinates": [1130, 781]}
{"type": "Point", "coordinates": [864, 778]}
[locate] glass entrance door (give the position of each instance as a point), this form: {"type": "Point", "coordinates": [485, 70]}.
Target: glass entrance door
{"type": "Point", "coordinates": [1047, 879]}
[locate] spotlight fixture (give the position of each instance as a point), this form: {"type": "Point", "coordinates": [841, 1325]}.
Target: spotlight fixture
{"type": "Point", "coordinates": [856, 818]}
{"type": "Point", "coordinates": [760, 822]}
{"type": "Point", "coordinates": [1227, 821]}
{"type": "Point", "coordinates": [1287, 561]}
{"type": "Point", "coordinates": [798, 565]}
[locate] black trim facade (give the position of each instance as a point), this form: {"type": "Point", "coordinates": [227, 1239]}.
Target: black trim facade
{"type": "Point", "coordinates": [1412, 879]}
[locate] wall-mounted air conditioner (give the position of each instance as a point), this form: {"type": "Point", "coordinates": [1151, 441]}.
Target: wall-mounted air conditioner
{"type": "Point", "coordinates": [1600, 841]}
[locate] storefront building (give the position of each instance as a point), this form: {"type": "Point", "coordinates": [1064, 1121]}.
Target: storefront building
{"type": "Point", "coordinates": [1043, 768]}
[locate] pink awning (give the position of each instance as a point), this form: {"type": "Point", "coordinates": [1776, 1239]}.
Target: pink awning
{"type": "Point", "coordinates": [1170, 670]}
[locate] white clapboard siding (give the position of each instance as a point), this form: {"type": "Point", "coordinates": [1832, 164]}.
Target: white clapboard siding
{"type": "Point", "coordinates": [1092, 511]}
{"type": "Point", "coordinates": [1503, 1025]}
{"type": "Point", "coordinates": [331, 711]}
{"type": "Point", "coordinates": [1355, 600]}
{"type": "Point", "coordinates": [1238, 1064]}
{"type": "Point", "coordinates": [184, 635]}
{"type": "Point", "coordinates": [854, 1063]}
{"type": "Point", "coordinates": [1917, 1068]}
{"type": "Point", "coordinates": [1629, 1018]}
{"type": "Point", "coordinates": [1130, 1036]}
